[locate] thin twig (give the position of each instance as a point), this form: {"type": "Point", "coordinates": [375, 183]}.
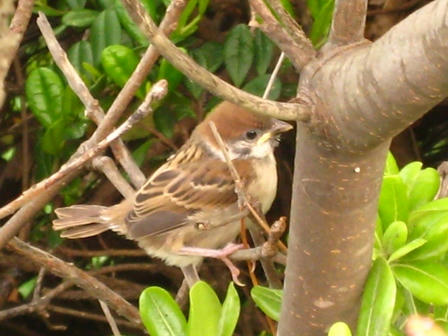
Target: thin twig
{"type": "Point", "coordinates": [110, 319]}
{"type": "Point", "coordinates": [107, 166]}
{"type": "Point", "coordinates": [301, 110]}
{"type": "Point", "coordinates": [168, 24]}
{"type": "Point", "coordinates": [157, 92]}
{"type": "Point", "coordinates": [80, 278]}
{"type": "Point", "coordinates": [274, 75]}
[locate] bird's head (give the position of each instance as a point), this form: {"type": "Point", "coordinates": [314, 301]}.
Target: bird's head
{"type": "Point", "coordinates": [245, 133]}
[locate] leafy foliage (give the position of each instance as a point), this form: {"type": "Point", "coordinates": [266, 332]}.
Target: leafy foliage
{"type": "Point", "coordinates": [162, 316]}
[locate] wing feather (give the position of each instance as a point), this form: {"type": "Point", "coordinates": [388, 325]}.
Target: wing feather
{"type": "Point", "coordinates": [176, 193]}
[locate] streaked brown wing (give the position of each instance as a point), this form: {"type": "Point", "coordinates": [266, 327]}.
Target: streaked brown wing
{"type": "Point", "coordinates": [177, 192]}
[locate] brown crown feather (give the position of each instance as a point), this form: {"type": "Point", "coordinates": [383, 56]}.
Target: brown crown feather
{"type": "Point", "coordinates": [232, 121]}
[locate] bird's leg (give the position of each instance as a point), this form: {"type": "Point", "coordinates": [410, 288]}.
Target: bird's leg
{"type": "Point", "coordinates": [222, 254]}
{"type": "Point", "coordinates": [191, 274]}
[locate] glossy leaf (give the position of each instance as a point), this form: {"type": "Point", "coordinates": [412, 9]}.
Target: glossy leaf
{"type": "Point", "coordinates": [53, 140]}
{"type": "Point", "coordinates": [44, 90]}
{"type": "Point", "coordinates": [129, 25]}
{"type": "Point", "coordinates": [339, 329]}
{"type": "Point", "coordinates": [409, 173]}
{"type": "Point", "coordinates": [433, 208]}
{"type": "Point", "coordinates": [80, 53]}
{"type": "Point", "coordinates": [321, 24]}
{"type": "Point", "coordinates": [230, 312]}
{"type": "Point", "coordinates": [119, 62]}
{"type": "Point", "coordinates": [27, 288]}
{"type": "Point", "coordinates": [205, 311]}
{"type": "Point", "coordinates": [258, 85]}
{"type": "Point", "coordinates": [406, 249]}
{"type": "Point", "coordinates": [170, 73]}
{"type": "Point", "coordinates": [425, 188]}
{"type": "Point", "coordinates": [268, 300]}
{"type": "Point", "coordinates": [264, 50]}
{"type": "Point", "coordinates": [105, 31]}
{"type": "Point", "coordinates": [393, 203]}
{"type": "Point", "coordinates": [391, 167]}
{"type": "Point", "coordinates": [80, 18]}
{"type": "Point", "coordinates": [435, 232]}
{"type": "Point", "coordinates": [76, 4]}
{"type": "Point", "coordinates": [210, 55]}
{"type": "Point", "coordinates": [378, 301]}
{"type": "Point", "coordinates": [238, 53]}
{"type": "Point", "coordinates": [395, 236]}
{"type": "Point", "coordinates": [160, 314]}
{"type": "Point", "coordinates": [426, 281]}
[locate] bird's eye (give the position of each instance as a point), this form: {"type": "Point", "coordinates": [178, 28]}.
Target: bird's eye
{"type": "Point", "coordinates": [251, 135]}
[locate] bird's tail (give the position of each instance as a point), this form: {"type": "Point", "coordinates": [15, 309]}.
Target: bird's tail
{"type": "Point", "coordinates": [80, 221]}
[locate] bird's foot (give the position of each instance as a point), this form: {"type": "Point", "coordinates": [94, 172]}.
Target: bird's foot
{"type": "Point", "coordinates": [222, 254]}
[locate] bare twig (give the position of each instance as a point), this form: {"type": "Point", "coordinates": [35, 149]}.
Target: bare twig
{"type": "Point", "coordinates": [157, 92]}
{"type": "Point", "coordinates": [110, 319]}
{"type": "Point", "coordinates": [13, 225]}
{"type": "Point", "coordinates": [110, 252]}
{"type": "Point", "coordinates": [289, 111]}
{"type": "Point", "coordinates": [349, 20]}
{"type": "Point", "coordinates": [287, 34]}
{"type": "Point", "coordinates": [106, 165]}
{"type": "Point", "coordinates": [93, 108]}
{"type": "Point", "coordinates": [273, 75]}
{"type": "Point", "coordinates": [11, 40]}
{"type": "Point", "coordinates": [80, 278]}
{"type": "Point", "coordinates": [37, 304]}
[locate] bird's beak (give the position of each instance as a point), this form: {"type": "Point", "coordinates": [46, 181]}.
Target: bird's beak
{"type": "Point", "coordinates": [278, 127]}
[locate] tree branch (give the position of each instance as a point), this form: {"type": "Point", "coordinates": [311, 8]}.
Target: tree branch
{"type": "Point", "coordinates": [158, 91]}
{"type": "Point", "coordinates": [288, 111]}
{"type": "Point", "coordinates": [11, 40]}
{"type": "Point", "coordinates": [94, 287]}
{"type": "Point", "coordinates": [349, 20]}
{"type": "Point", "coordinates": [287, 34]}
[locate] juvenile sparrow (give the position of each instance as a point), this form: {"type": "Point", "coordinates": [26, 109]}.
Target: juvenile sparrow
{"type": "Point", "coordinates": [189, 208]}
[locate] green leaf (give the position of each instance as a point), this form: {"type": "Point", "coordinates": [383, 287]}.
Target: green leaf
{"type": "Point", "coordinates": [395, 236]}
{"type": "Point", "coordinates": [80, 18]}
{"type": "Point", "coordinates": [435, 232]}
{"type": "Point", "coordinates": [27, 288]}
{"type": "Point", "coordinates": [264, 50]}
{"type": "Point", "coordinates": [230, 312]}
{"type": "Point", "coordinates": [378, 301]}
{"type": "Point", "coordinates": [105, 31]}
{"type": "Point", "coordinates": [141, 152]}
{"type": "Point", "coordinates": [393, 202]}
{"type": "Point", "coordinates": [53, 140]}
{"type": "Point", "coordinates": [339, 329]}
{"type": "Point", "coordinates": [258, 85]}
{"type": "Point", "coordinates": [44, 90]}
{"type": "Point", "coordinates": [205, 311]}
{"type": "Point", "coordinates": [119, 62]}
{"type": "Point", "coordinates": [425, 188]}
{"type": "Point", "coordinates": [322, 23]}
{"type": "Point", "coordinates": [391, 167]}
{"type": "Point", "coordinates": [409, 173]}
{"type": "Point", "coordinates": [428, 282]}
{"type": "Point", "coordinates": [76, 4]}
{"type": "Point", "coordinates": [408, 248]}
{"type": "Point", "coordinates": [160, 314]}
{"type": "Point", "coordinates": [238, 53]}
{"type": "Point", "coordinates": [268, 300]}
{"type": "Point", "coordinates": [210, 55]}
{"type": "Point", "coordinates": [79, 53]}
{"type": "Point", "coordinates": [129, 25]}
{"type": "Point", "coordinates": [429, 209]}
{"type": "Point", "coordinates": [170, 73]}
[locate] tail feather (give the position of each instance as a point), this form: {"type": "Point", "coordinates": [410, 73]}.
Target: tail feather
{"type": "Point", "coordinates": [84, 231]}
{"type": "Point", "coordinates": [79, 221]}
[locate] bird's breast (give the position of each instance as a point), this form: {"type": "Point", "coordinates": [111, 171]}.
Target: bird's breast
{"type": "Point", "coordinates": [264, 186]}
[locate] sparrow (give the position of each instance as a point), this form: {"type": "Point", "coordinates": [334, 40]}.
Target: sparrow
{"type": "Point", "coordinates": [189, 207]}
